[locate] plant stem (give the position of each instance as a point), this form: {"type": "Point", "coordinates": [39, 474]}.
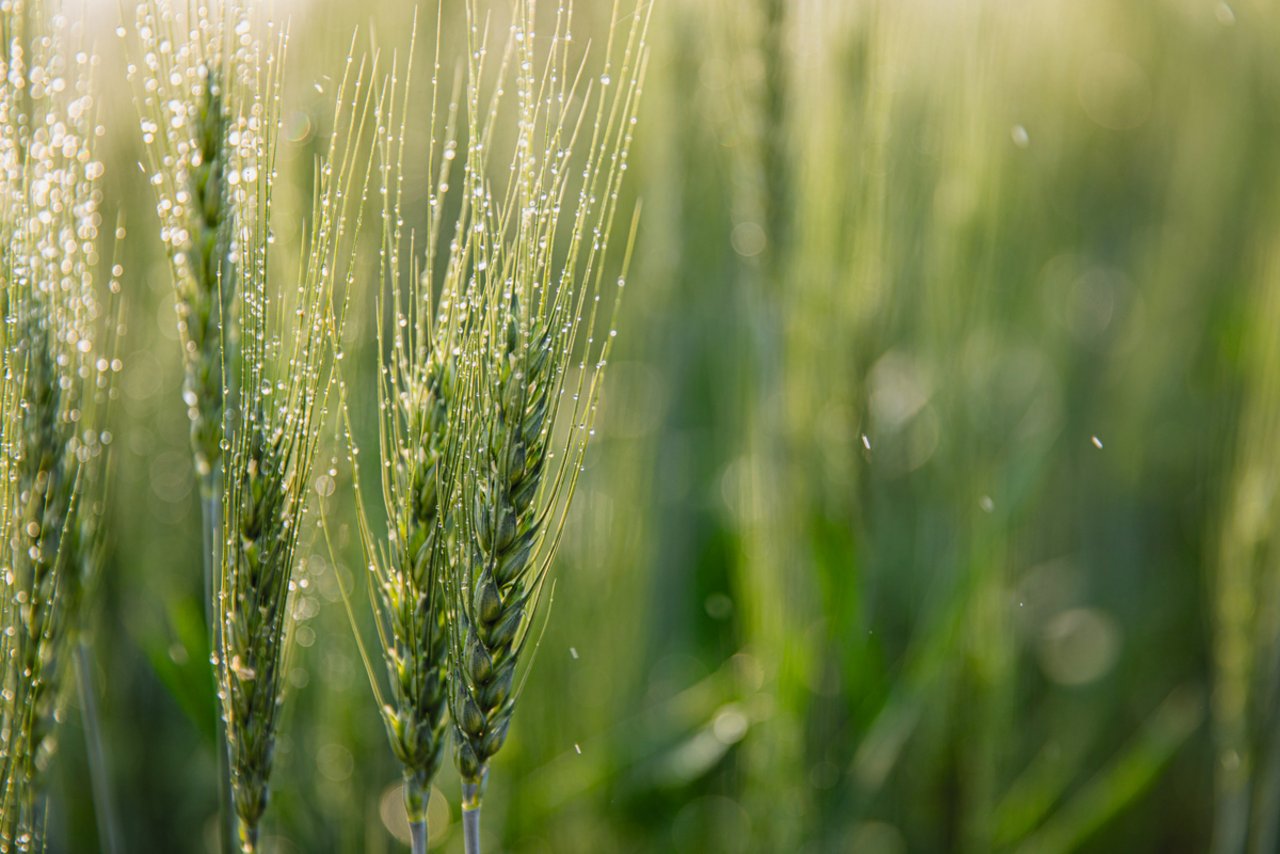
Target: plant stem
{"type": "Point", "coordinates": [471, 829]}
{"type": "Point", "coordinates": [471, 817]}
{"type": "Point", "coordinates": [211, 517]}
{"type": "Point", "coordinates": [248, 837]}
{"type": "Point", "coordinates": [418, 835]}
{"type": "Point", "coordinates": [103, 808]}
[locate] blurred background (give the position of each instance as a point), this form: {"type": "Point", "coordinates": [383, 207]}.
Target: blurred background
{"type": "Point", "coordinates": [933, 501]}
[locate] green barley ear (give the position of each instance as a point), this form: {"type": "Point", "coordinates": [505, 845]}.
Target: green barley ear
{"type": "Point", "coordinates": [189, 61]}
{"type": "Point", "coordinates": [284, 366]}
{"type": "Point", "coordinates": [52, 362]}
{"type": "Point", "coordinates": [541, 253]}
{"type": "Point", "coordinates": [188, 56]}
{"type": "Point", "coordinates": [417, 396]}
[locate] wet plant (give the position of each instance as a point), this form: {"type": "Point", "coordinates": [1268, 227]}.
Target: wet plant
{"type": "Point", "coordinates": [187, 82]}
{"type": "Point", "coordinates": [16, 793]}
{"type": "Point", "coordinates": [536, 353]}
{"type": "Point", "coordinates": [188, 57]}
{"type": "Point", "coordinates": [56, 375]}
{"type": "Point", "coordinates": [417, 441]}
{"type": "Point", "coordinates": [502, 246]}
{"type": "Point", "coordinates": [283, 369]}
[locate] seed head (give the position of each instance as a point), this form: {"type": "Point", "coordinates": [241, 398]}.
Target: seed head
{"type": "Point", "coordinates": [538, 264]}
{"type": "Point", "coordinates": [50, 394]}
{"type": "Point", "coordinates": [283, 375]}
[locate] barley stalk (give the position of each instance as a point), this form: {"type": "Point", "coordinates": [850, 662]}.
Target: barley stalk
{"type": "Point", "coordinates": [53, 371]}
{"type": "Point", "coordinates": [540, 274]}
{"type": "Point", "coordinates": [87, 545]}
{"type": "Point", "coordinates": [407, 579]}
{"type": "Point", "coordinates": [416, 395]}
{"type": "Point", "coordinates": [187, 60]}
{"type": "Point", "coordinates": [284, 382]}
{"type": "Point", "coordinates": [183, 101]}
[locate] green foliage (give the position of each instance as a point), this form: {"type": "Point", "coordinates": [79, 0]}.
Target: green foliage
{"type": "Point", "coordinates": [56, 373]}
{"type": "Point", "coordinates": [844, 568]}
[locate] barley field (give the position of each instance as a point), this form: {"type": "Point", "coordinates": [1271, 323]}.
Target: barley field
{"type": "Point", "coordinates": [673, 425]}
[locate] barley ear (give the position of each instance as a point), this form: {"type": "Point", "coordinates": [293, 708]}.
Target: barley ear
{"type": "Point", "coordinates": [53, 366]}
{"type": "Point", "coordinates": [534, 361]}
{"type": "Point", "coordinates": [417, 398]}
{"type": "Point", "coordinates": [284, 373]}
{"type": "Point", "coordinates": [188, 83]}
{"type": "Point", "coordinates": [187, 92]}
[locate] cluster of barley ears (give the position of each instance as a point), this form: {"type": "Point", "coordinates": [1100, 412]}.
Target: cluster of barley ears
{"type": "Point", "coordinates": [499, 336]}
{"type": "Point", "coordinates": [57, 363]}
{"type": "Point", "coordinates": [258, 356]}
{"type": "Point", "coordinates": [498, 333]}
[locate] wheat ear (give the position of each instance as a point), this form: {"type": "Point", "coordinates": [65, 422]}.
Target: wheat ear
{"type": "Point", "coordinates": [52, 364]}
{"type": "Point", "coordinates": [185, 109]}
{"type": "Point", "coordinates": [417, 445]}
{"type": "Point", "coordinates": [416, 393]}
{"type": "Point", "coordinates": [184, 80]}
{"type": "Point", "coordinates": [284, 379]}
{"type": "Point", "coordinates": [540, 273]}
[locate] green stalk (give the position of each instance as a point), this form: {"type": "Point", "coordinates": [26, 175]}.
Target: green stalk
{"type": "Point", "coordinates": [273, 428]}
{"type": "Point", "coordinates": [248, 837]}
{"type": "Point", "coordinates": [538, 307]}
{"type": "Point", "coordinates": [409, 565]}
{"type": "Point", "coordinates": [211, 523]}
{"type": "Point", "coordinates": [472, 794]}
{"type": "Point", "coordinates": [197, 205]}
{"type": "Point", "coordinates": [99, 775]}
{"type": "Point", "coordinates": [418, 836]}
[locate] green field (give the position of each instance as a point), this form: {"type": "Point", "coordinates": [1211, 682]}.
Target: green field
{"type": "Point", "coordinates": [933, 499]}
